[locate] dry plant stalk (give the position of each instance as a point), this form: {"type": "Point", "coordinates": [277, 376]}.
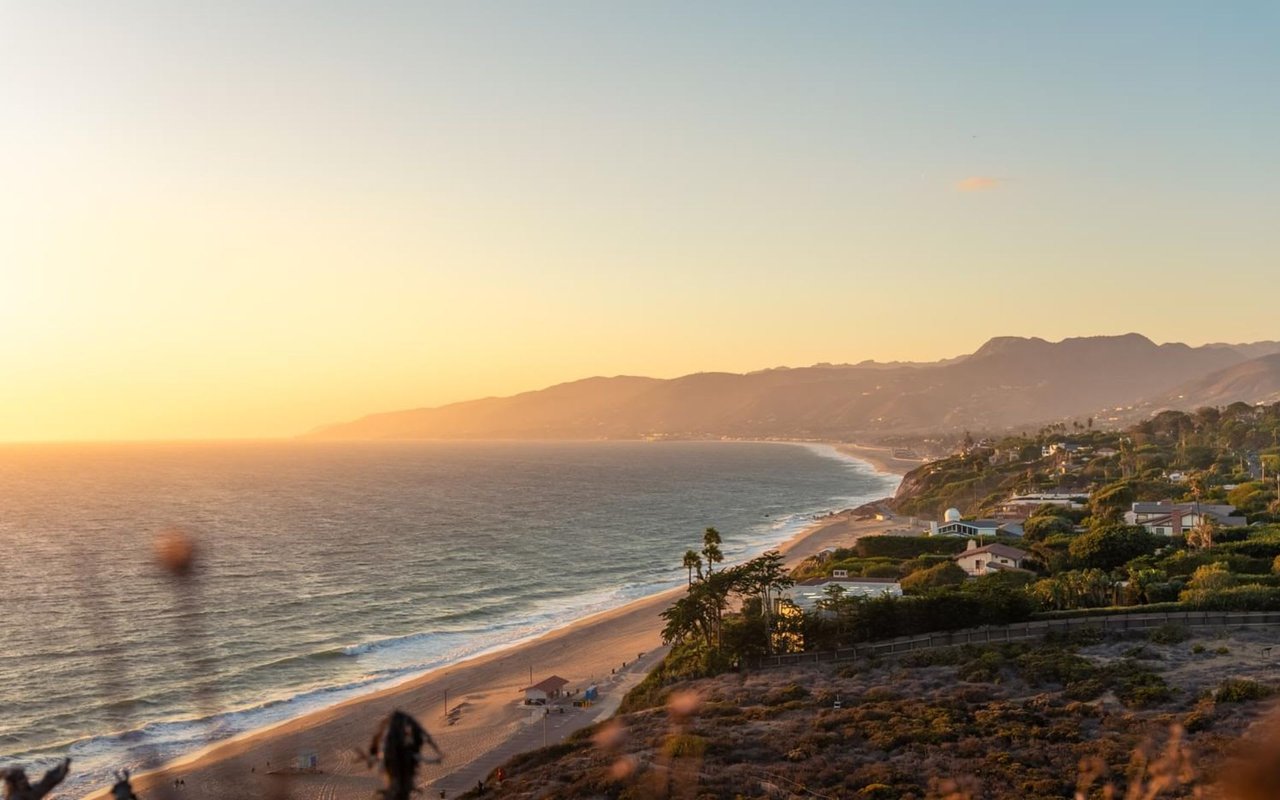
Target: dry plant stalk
{"type": "Point", "coordinates": [398, 743]}
{"type": "Point", "coordinates": [18, 787]}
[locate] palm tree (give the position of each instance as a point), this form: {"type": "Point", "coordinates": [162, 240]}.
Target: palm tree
{"type": "Point", "coordinates": [711, 548]}
{"type": "Point", "coordinates": [692, 561]}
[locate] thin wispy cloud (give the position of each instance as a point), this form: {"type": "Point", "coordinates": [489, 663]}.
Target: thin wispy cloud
{"type": "Point", "coordinates": [977, 183]}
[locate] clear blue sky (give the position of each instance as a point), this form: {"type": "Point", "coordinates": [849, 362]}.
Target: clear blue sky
{"type": "Point", "coordinates": [249, 218]}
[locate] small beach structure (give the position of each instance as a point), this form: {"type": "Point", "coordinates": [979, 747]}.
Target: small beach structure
{"type": "Point", "coordinates": [544, 690]}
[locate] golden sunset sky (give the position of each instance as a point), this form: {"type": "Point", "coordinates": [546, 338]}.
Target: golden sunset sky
{"type": "Point", "coordinates": [247, 220]}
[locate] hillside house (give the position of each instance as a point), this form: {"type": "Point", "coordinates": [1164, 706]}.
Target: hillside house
{"type": "Point", "coordinates": [1174, 519]}
{"type": "Point", "coordinates": [807, 593]}
{"type": "Point", "coordinates": [978, 561]}
{"type": "Point", "coordinates": [953, 525]}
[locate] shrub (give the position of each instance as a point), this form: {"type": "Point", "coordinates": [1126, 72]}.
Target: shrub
{"type": "Point", "coordinates": [1113, 546]}
{"type": "Point", "coordinates": [785, 694]}
{"type": "Point", "coordinates": [685, 745]}
{"type": "Point", "coordinates": [904, 547]}
{"type": "Point", "coordinates": [1169, 634]}
{"type": "Point", "coordinates": [948, 574]}
{"type": "Point", "coordinates": [880, 571]}
{"type": "Point", "coordinates": [1142, 653]}
{"type": "Point", "coordinates": [1267, 547]}
{"type": "Point", "coordinates": [983, 669]}
{"type": "Point", "coordinates": [1200, 718]}
{"type": "Point", "coordinates": [923, 562]}
{"type": "Point", "coordinates": [1039, 528]}
{"type": "Point", "coordinates": [1242, 690]}
{"type": "Point", "coordinates": [1236, 598]}
{"type": "Point", "coordinates": [1137, 686]}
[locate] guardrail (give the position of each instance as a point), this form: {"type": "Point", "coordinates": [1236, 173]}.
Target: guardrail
{"type": "Point", "coordinates": [1023, 630]}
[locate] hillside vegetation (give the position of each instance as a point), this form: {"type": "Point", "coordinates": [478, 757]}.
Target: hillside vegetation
{"type": "Point", "coordinates": [1159, 716]}
{"type": "Point", "coordinates": [1153, 460]}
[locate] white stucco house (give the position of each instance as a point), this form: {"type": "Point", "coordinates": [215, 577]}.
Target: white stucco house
{"type": "Point", "coordinates": [807, 593]}
{"type": "Point", "coordinates": [978, 561]}
{"type": "Point", "coordinates": [953, 525]}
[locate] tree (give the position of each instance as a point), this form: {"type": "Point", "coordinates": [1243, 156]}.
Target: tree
{"type": "Point", "coordinates": [1041, 527]}
{"type": "Point", "coordinates": [1110, 502]}
{"type": "Point", "coordinates": [711, 548]}
{"type": "Point", "coordinates": [761, 577]}
{"type": "Point", "coordinates": [692, 562]}
{"type": "Point", "coordinates": [1206, 581]}
{"type": "Point", "coordinates": [1201, 536]}
{"type": "Point", "coordinates": [946, 574]}
{"type": "Point", "coordinates": [1112, 546]}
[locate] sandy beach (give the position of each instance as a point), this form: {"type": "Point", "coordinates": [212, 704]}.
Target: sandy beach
{"type": "Point", "coordinates": [882, 458]}
{"type": "Point", "coordinates": [473, 709]}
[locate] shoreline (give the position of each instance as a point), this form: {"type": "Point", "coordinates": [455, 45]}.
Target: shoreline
{"type": "Point", "coordinates": [471, 707]}
{"type": "Point", "coordinates": [881, 458]}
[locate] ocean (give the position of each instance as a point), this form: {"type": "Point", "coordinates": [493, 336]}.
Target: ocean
{"type": "Point", "coordinates": [326, 570]}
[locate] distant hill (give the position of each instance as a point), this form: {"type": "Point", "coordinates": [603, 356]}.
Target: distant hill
{"type": "Point", "coordinates": [1008, 382]}
{"type": "Point", "coordinates": [1253, 381]}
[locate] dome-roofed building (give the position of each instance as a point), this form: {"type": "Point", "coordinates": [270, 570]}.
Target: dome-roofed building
{"type": "Point", "coordinates": [952, 515]}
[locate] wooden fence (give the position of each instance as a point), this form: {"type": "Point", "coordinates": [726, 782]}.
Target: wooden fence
{"type": "Point", "coordinates": [1024, 630]}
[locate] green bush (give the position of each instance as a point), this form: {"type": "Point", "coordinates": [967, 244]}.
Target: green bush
{"type": "Point", "coordinates": [880, 571]}
{"type": "Point", "coordinates": [1242, 690]}
{"type": "Point", "coordinates": [1236, 598]}
{"type": "Point", "coordinates": [1113, 546]}
{"type": "Point", "coordinates": [685, 745]}
{"type": "Point", "coordinates": [1267, 548]}
{"type": "Point", "coordinates": [904, 547]}
{"type": "Point", "coordinates": [948, 574]}
{"type": "Point", "coordinates": [1171, 633]}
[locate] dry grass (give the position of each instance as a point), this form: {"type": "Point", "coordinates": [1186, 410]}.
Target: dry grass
{"type": "Point", "coordinates": [971, 723]}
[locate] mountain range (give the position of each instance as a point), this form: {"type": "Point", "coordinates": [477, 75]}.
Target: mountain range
{"type": "Point", "coordinates": [1008, 383]}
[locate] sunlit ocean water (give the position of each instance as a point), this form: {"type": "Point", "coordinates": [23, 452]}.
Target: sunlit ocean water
{"type": "Point", "coordinates": [330, 569]}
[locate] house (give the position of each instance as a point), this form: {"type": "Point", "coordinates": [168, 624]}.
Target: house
{"type": "Point", "coordinates": [544, 690]}
{"type": "Point", "coordinates": [1022, 506]}
{"type": "Point", "coordinates": [807, 593]}
{"type": "Point", "coordinates": [1173, 519]}
{"type": "Point", "coordinates": [977, 561]}
{"type": "Point", "coordinates": [952, 525]}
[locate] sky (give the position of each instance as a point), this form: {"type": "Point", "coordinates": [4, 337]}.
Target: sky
{"type": "Point", "coordinates": [250, 219]}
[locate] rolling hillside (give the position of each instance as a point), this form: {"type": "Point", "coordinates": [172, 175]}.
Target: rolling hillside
{"type": "Point", "coordinates": [1008, 382]}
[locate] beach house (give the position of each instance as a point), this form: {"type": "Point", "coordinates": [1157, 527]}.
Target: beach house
{"type": "Point", "coordinates": [978, 561]}
{"type": "Point", "coordinates": [544, 690]}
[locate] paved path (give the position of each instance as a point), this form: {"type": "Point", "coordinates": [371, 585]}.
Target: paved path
{"type": "Point", "coordinates": [548, 729]}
